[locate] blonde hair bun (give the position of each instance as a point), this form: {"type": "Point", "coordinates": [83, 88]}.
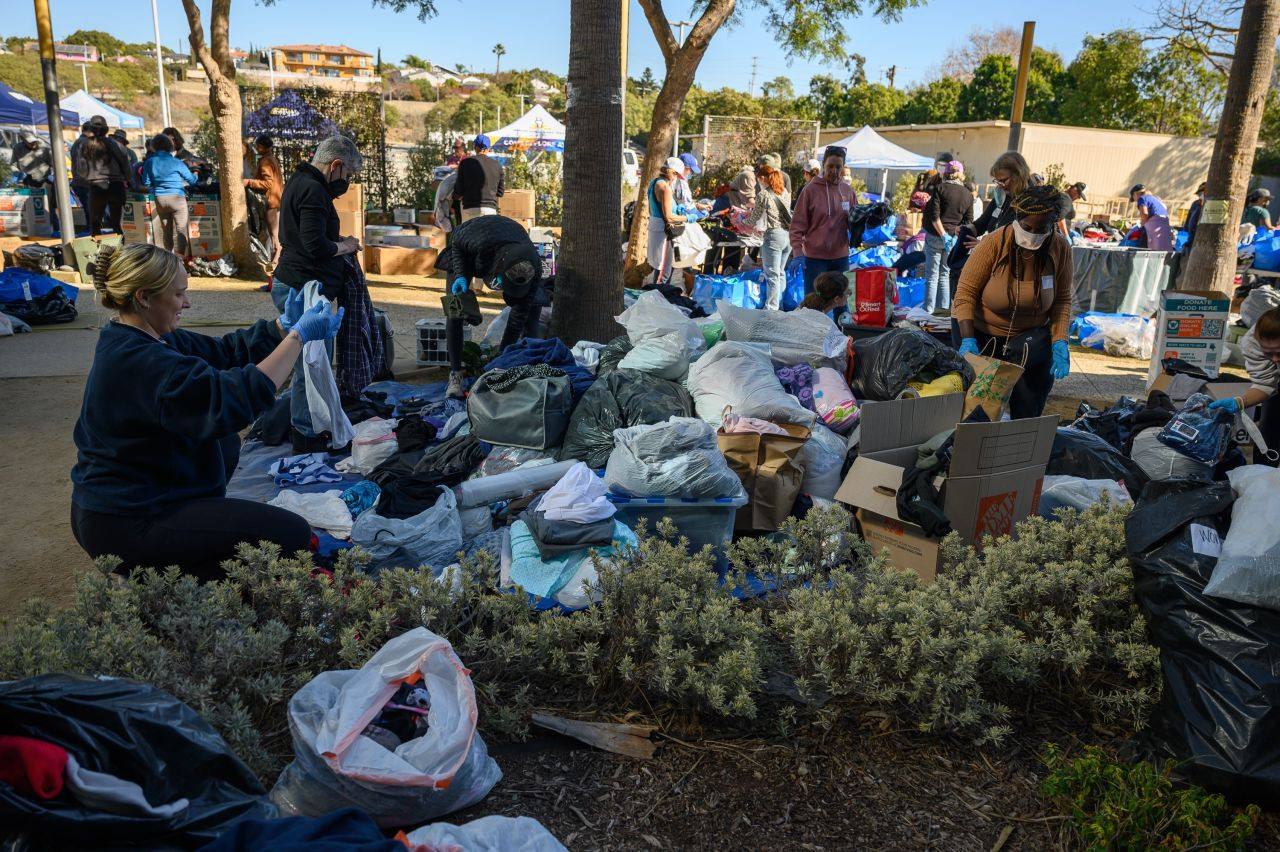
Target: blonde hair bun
{"type": "Point", "coordinates": [120, 272]}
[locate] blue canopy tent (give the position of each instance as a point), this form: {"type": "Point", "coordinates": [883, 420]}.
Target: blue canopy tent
{"type": "Point", "coordinates": [289, 117]}
{"type": "Point", "coordinates": [87, 105]}
{"type": "Point", "coordinates": [17, 108]}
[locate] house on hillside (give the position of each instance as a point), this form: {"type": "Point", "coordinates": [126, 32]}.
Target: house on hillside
{"type": "Point", "coordinates": [82, 53]}
{"type": "Point", "coordinates": [471, 85]}
{"type": "Point", "coordinates": [542, 91]}
{"type": "Point", "coordinates": [323, 60]}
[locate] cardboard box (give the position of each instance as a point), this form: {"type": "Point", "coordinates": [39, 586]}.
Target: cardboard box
{"type": "Point", "coordinates": [1191, 325]}
{"type": "Point", "coordinates": [426, 217]}
{"type": "Point", "coordinates": [388, 260]}
{"type": "Point", "coordinates": [517, 204]}
{"type": "Point", "coordinates": [404, 215]}
{"type": "Point", "coordinates": [995, 478]}
{"type": "Point", "coordinates": [351, 200]}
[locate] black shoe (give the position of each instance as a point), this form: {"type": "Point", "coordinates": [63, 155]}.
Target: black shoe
{"type": "Point", "coordinates": [308, 444]}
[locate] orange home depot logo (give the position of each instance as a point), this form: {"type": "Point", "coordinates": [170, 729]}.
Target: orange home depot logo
{"type": "Point", "coordinates": [995, 515]}
{"type": "Point", "coordinates": [893, 527]}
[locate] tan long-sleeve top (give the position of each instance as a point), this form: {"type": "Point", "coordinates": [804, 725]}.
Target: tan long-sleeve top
{"type": "Point", "coordinates": [988, 294]}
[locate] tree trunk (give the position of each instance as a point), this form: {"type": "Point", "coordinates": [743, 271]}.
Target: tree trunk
{"type": "Point", "coordinates": [588, 278]}
{"type": "Point", "coordinates": [227, 111]}
{"type": "Point", "coordinates": [682, 63]}
{"type": "Point", "coordinates": [1212, 265]}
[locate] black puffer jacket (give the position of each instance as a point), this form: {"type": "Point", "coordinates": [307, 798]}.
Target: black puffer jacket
{"type": "Point", "coordinates": [488, 246]}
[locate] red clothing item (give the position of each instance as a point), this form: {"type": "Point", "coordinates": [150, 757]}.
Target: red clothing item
{"type": "Point", "coordinates": [820, 222]}
{"type": "Point", "coordinates": [33, 767]}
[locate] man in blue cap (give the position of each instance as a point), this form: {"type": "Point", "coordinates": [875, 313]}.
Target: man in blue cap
{"type": "Point", "coordinates": [683, 195]}
{"type": "Point", "coordinates": [479, 184]}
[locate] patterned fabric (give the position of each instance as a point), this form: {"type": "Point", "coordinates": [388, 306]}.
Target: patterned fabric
{"type": "Point", "coordinates": [359, 344]}
{"type": "Point", "coordinates": [504, 380]}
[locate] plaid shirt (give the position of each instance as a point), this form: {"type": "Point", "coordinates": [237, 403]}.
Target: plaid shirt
{"type": "Point", "coordinates": [359, 344]}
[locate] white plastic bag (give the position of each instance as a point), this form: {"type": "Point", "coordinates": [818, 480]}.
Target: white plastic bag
{"type": "Point", "coordinates": [1127, 337]}
{"type": "Point", "coordinates": [487, 834]}
{"type": "Point", "coordinates": [740, 377]}
{"type": "Point", "coordinates": [374, 443]}
{"type": "Point", "coordinates": [802, 336]}
{"type": "Point", "coordinates": [691, 247]}
{"type": "Point", "coordinates": [432, 537]}
{"type": "Point", "coordinates": [653, 316]}
{"type": "Point", "coordinates": [335, 766]}
{"type": "Point", "coordinates": [1079, 493]}
{"type": "Point", "coordinates": [493, 334]}
{"type": "Point", "coordinates": [325, 510]}
{"type": "Point", "coordinates": [824, 455]}
{"type": "Point", "coordinates": [1248, 569]}
{"type": "Point", "coordinates": [579, 497]}
{"type": "Point", "coordinates": [665, 356]}
{"type": "Point", "coordinates": [679, 458]}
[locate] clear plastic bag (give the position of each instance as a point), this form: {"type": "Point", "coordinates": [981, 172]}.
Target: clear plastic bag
{"type": "Point", "coordinates": [336, 766]}
{"type": "Point", "coordinates": [653, 316]}
{"type": "Point", "coordinates": [1119, 334]}
{"type": "Point", "coordinates": [374, 443]}
{"type": "Point", "coordinates": [487, 834]}
{"type": "Point", "coordinates": [679, 458]}
{"type": "Point", "coordinates": [432, 537]}
{"type": "Point", "coordinates": [665, 356]}
{"type": "Point", "coordinates": [740, 377]}
{"type": "Point", "coordinates": [800, 337]}
{"type": "Point", "coordinates": [824, 454]}
{"type": "Point", "coordinates": [1248, 570]}
{"type": "Point", "coordinates": [1077, 493]}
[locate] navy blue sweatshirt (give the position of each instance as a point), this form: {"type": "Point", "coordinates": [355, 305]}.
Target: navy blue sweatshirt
{"type": "Point", "coordinates": [154, 412]}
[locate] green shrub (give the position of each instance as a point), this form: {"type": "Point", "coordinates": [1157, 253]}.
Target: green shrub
{"type": "Point", "coordinates": [1113, 806]}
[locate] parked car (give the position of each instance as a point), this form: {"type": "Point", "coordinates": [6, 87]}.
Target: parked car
{"type": "Point", "coordinates": [630, 168]}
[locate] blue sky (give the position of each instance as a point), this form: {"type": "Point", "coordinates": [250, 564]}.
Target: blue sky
{"type": "Point", "coordinates": [536, 32]}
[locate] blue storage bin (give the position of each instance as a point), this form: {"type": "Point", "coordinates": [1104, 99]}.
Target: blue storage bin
{"type": "Point", "coordinates": [700, 521]}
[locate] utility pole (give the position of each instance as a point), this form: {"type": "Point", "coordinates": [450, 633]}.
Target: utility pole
{"type": "Point", "coordinates": [382, 130]}
{"type": "Point", "coordinates": [675, 140]}
{"type": "Point", "coordinates": [521, 96]}
{"type": "Point", "coordinates": [892, 73]}
{"type": "Point", "coordinates": [48, 67]}
{"type": "Point", "coordinates": [84, 76]}
{"type": "Point", "coordinates": [751, 90]}
{"type": "Point", "coordinates": [271, 70]}
{"type": "Point", "coordinates": [1020, 90]}
{"type": "Point", "coordinates": [164, 92]}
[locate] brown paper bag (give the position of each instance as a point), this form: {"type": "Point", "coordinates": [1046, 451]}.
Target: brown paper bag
{"type": "Point", "coordinates": [993, 382]}
{"type": "Point", "coordinates": [772, 471]}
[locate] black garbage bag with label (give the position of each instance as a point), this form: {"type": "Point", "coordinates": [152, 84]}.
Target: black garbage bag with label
{"type": "Point", "coordinates": [136, 733]}
{"type": "Point", "coordinates": [1219, 712]}
{"type": "Point", "coordinates": [885, 363]}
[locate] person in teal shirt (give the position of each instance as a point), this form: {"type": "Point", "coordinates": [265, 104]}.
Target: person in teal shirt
{"type": "Point", "coordinates": [1256, 212]}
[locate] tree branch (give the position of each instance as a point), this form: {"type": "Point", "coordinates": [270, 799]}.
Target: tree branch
{"type": "Point", "coordinates": [219, 36]}
{"type": "Point", "coordinates": [198, 47]}
{"type": "Point", "coordinates": [657, 18]}
{"type": "Point", "coordinates": [718, 11]}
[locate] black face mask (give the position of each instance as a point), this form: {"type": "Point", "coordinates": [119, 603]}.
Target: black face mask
{"type": "Point", "coordinates": [338, 187]}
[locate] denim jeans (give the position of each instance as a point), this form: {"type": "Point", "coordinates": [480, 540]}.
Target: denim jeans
{"type": "Point", "coordinates": [775, 252]}
{"type": "Point", "coordinates": [937, 288]}
{"type": "Point", "coordinates": [813, 267]}
{"type": "Point", "coordinates": [299, 411]}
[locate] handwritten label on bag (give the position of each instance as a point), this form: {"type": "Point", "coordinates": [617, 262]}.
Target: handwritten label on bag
{"type": "Point", "coordinates": [1205, 541]}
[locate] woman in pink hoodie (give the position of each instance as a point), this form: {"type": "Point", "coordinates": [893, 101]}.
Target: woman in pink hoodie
{"type": "Point", "coordinates": [820, 223]}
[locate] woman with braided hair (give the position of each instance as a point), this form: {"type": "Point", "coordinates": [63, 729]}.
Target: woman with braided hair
{"type": "Point", "coordinates": [1015, 294]}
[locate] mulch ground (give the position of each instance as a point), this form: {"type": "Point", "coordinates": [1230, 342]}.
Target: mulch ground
{"type": "Point", "coordinates": [864, 789]}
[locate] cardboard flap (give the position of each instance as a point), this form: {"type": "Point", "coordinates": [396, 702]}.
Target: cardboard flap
{"type": "Point", "coordinates": [872, 485]}
{"type": "Point", "coordinates": [988, 449]}
{"type": "Point", "coordinates": [907, 422]}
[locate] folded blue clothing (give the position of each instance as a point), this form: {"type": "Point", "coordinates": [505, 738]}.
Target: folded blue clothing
{"type": "Point", "coordinates": [303, 469]}
{"type": "Point", "coordinates": [545, 577]}
{"type": "Point", "coordinates": [553, 353]}
{"type": "Point", "coordinates": [361, 497]}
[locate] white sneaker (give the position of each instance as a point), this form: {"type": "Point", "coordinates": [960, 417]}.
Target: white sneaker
{"type": "Point", "coordinates": [457, 385]}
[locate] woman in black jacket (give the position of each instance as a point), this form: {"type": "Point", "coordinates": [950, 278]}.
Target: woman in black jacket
{"type": "Point", "coordinates": [105, 166]}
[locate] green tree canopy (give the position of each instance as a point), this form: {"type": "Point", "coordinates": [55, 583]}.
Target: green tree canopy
{"type": "Point", "coordinates": [989, 95]}
{"type": "Point", "coordinates": [412, 61]}
{"type": "Point", "coordinates": [107, 44]}
{"type": "Point", "coordinates": [933, 103]}
{"type": "Point", "coordinates": [1104, 89]}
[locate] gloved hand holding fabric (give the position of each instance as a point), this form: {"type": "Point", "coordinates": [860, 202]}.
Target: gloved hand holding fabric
{"type": "Point", "coordinates": [1231, 406]}
{"type": "Point", "coordinates": [1061, 360]}
{"type": "Point", "coordinates": [459, 286]}
{"type": "Point", "coordinates": [293, 304]}
{"type": "Point", "coordinates": [318, 323]}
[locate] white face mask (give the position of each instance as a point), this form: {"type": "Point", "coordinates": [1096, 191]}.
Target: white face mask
{"type": "Point", "coordinates": [1025, 238]}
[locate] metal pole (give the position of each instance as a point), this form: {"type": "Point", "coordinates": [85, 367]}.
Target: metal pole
{"type": "Point", "coordinates": [706, 138]}
{"type": "Point", "coordinates": [271, 70]}
{"type": "Point", "coordinates": [1020, 92]}
{"type": "Point", "coordinates": [164, 90]}
{"type": "Point", "coordinates": [84, 77]}
{"type": "Point", "coordinates": [66, 222]}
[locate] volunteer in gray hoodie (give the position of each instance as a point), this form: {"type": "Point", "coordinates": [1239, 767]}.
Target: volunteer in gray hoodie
{"type": "Point", "coordinates": [32, 161]}
{"type": "Point", "coordinates": [1261, 349]}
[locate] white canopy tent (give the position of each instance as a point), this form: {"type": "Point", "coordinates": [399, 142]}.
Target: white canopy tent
{"type": "Point", "coordinates": [867, 149]}
{"type": "Point", "coordinates": [537, 130]}
{"type": "Point", "coordinates": [87, 105]}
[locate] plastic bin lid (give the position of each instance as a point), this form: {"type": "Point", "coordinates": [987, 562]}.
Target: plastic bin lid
{"type": "Point", "coordinates": [739, 499]}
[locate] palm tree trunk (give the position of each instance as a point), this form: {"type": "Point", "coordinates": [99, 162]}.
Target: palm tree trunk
{"type": "Point", "coordinates": [588, 274]}
{"type": "Point", "coordinates": [1212, 265]}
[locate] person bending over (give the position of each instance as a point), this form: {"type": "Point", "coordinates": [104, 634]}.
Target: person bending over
{"type": "Point", "coordinates": [830, 293]}
{"type": "Point", "coordinates": [498, 251]}
{"type": "Point", "coordinates": [1015, 296]}
{"type": "Point", "coordinates": [157, 438]}
{"type": "Point", "coordinates": [1261, 349]}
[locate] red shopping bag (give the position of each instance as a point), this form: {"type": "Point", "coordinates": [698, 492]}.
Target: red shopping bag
{"type": "Point", "coordinates": [872, 294]}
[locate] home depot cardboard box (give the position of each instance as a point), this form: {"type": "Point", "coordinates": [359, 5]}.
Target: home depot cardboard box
{"type": "Point", "coordinates": [1191, 325]}
{"type": "Point", "coordinates": [390, 260]}
{"type": "Point", "coordinates": [517, 204]}
{"type": "Point", "coordinates": [994, 481]}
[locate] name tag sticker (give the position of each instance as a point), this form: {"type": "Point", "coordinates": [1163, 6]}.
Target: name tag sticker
{"type": "Point", "coordinates": [1046, 282]}
{"type": "Point", "coordinates": [1205, 541]}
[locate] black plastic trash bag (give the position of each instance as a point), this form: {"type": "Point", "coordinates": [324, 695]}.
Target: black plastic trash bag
{"type": "Point", "coordinates": [613, 352]}
{"type": "Point", "coordinates": [622, 398]}
{"type": "Point", "coordinates": [1219, 711]}
{"type": "Point", "coordinates": [51, 308]}
{"type": "Point", "coordinates": [865, 217]}
{"type": "Point", "coordinates": [1087, 456]}
{"type": "Point", "coordinates": [885, 363]}
{"type": "Point", "coordinates": [135, 732]}
{"type": "Point", "coordinates": [1112, 424]}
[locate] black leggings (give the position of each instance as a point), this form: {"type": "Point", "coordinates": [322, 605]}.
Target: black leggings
{"type": "Point", "coordinates": [1034, 350]}
{"type": "Point", "coordinates": [1269, 426]}
{"type": "Point", "coordinates": [197, 535]}
{"type": "Point", "coordinates": [522, 321]}
{"type": "Point", "coordinates": [109, 198]}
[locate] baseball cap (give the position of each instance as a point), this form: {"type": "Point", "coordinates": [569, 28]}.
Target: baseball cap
{"type": "Point", "coordinates": [482, 141]}
{"type": "Point", "coordinates": [692, 162]}
{"type": "Point", "coordinates": [1262, 192]}
{"type": "Point", "coordinates": [1135, 189]}
{"type": "Point", "coordinates": [813, 165]}
{"type": "Point", "coordinates": [773, 161]}
{"type": "Point", "coordinates": [675, 164]}
{"type": "Point", "coordinates": [953, 167]}
{"type": "Point", "coordinates": [1082, 189]}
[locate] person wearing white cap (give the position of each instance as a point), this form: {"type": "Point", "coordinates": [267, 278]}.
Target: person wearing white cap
{"type": "Point", "coordinates": [662, 215]}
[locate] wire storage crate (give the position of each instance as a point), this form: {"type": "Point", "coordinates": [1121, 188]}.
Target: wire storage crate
{"type": "Point", "coordinates": [432, 349]}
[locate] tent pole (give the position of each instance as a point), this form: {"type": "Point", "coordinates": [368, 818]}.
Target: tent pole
{"type": "Point", "coordinates": [884, 183]}
{"type": "Point", "coordinates": [164, 93]}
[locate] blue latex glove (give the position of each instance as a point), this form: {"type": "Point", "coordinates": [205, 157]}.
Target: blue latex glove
{"type": "Point", "coordinates": [1231, 406]}
{"type": "Point", "coordinates": [292, 309]}
{"type": "Point", "coordinates": [459, 286]}
{"type": "Point", "coordinates": [1061, 360]}
{"type": "Point", "coordinates": [969, 346]}
{"type": "Point", "coordinates": [950, 242]}
{"type": "Point", "coordinates": [318, 323]}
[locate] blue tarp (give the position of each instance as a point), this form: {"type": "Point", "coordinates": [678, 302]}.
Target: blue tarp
{"type": "Point", "coordinates": [17, 108]}
{"type": "Point", "coordinates": [1266, 252]}
{"type": "Point", "coordinates": [18, 284]}
{"type": "Point", "coordinates": [883, 234]}
{"type": "Point", "coordinates": [911, 292]}
{"type": "Point", "coordinates": [874, 256]}
{"type": "Point", "coordinates": [745, 289]}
